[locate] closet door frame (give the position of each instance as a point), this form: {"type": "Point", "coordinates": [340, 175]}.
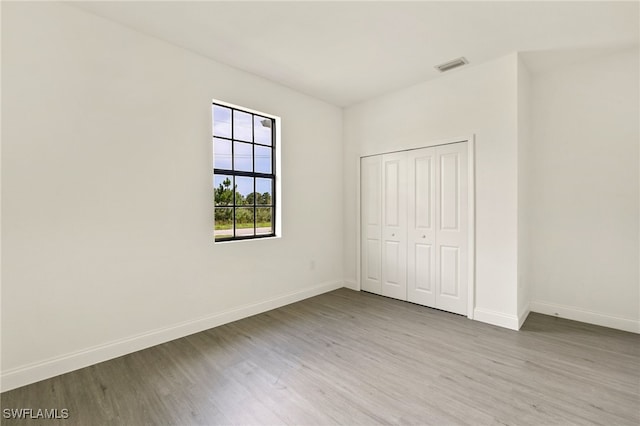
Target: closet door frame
{"type": "Point", "coordinates": [471, 219]}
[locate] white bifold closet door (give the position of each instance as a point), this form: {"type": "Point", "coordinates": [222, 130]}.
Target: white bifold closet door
{"type": "Point", "coordinates": [421, 264]}
{"type": "Point", "coordinates": [394, 225]}
{"type": "Point", "coordinates": [438, 227]}
{"type": "Point", "coordinates": [415, 226]}
{"type": "Point", "coordinates": [371, 223]}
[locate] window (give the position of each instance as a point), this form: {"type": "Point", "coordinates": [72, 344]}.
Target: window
{"type": "Point", "coordinates": [244, 179]}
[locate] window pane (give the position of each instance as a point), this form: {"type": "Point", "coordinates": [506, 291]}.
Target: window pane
{"type": "Point", "coordinates": [223, 192]}
{"type": "Point", "coordinates": [221, 121]}
{"type": "Point", "coordinates": [264, 220]}
{"type": "Point", "coordinates": [262, 130]}
{"type": "Point", "coordinates": [263, 159]}
{"type": "Point", "coordinates": [223, 222]}
{"type": "Point", "coordinates": [244, 191]}
{"type": "Point", "coordinates": [244, 221]}
{"type": "Point", "coordinates": [264, 191]}
{"type": "Point", "coordinates": [221, 154]}
{"type": "Point", "coordinates": [242, 157]}
{"type": "Point", "coordinates": [242, 126]}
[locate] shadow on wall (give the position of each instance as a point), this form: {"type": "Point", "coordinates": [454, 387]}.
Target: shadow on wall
{"type": "Point", "coordinates": [540, 61]}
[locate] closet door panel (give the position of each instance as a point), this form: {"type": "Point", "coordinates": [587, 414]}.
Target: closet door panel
{"type": "Point", "coordinates": [392, 267]}
{"type": "Point", "coordinates": [449, 271]}
{"type": "Point", "coordinates": [451, 228]}
{"type": "Point", "coordinates": [371, 224]}
{"type": "Point", "coordinates": [421, 230]}
{"type": "Point", "coordinates": [449, 191]}
{"type": "Point", "coordinates": [394, 225]}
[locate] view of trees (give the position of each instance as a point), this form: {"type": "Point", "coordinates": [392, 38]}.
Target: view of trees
{"type": "Point", "coordinates": [223, 196]}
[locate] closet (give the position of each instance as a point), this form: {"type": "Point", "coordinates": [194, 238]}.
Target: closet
{"type": "Point", "coordinates": [414, 226]}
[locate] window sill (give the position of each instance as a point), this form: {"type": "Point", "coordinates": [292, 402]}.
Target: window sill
{"type": "Point", "coordinates": [244, 240]}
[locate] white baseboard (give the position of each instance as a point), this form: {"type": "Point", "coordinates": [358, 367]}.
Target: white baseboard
{"type": "Point", "coordinates": [35, 372]}
{"type": "Point", "coordinates": [523, 316]}
{"type": "Point", "coordinates": [583, 315]}
{"type": "Point", "coordinates": [496, 318]}
{"type": "Point", "coordinates": [351, 285]}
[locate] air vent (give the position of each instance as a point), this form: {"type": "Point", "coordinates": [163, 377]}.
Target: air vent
{"type": "Point", "coordinates": [452, 64]}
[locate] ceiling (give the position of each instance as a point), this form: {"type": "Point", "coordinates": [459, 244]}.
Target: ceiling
{"type": "Point", "coordinates": [347, 52]}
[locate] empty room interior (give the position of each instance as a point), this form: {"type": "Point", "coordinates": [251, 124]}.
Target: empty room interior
{"type": "Point", "coordinates": [313, 213]}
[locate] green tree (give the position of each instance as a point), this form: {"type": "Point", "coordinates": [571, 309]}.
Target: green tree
{"type": "Point", "coordinates": [223, 195]}
{"type": "Point", "coordinates": [263, 215]}
{"type": "Point", "coordinates": [240, 200]}
{"type": "Point", "coordinates": [223, 218]}
{"type": "Point", "coordinates": [244, 217]}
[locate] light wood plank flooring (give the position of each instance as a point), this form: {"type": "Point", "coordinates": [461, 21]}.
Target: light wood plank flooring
{"type": "Point", "coordinates": [354, 358]}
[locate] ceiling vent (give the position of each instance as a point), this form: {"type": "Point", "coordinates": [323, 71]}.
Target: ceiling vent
{"type": "Point", "coordinates": [452, 64]}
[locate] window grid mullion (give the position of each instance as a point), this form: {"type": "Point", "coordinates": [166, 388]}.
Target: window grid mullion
{"type": "Point", "coordinates": [256, 143]}
{"type": "Point", "coordinates": [233, 185]}
{"type": "Point", "coordinates": [273, 171]}
{"type": "Point", "coordinates": [255, 211]}
{"type": "Point", "coordinates": [245, 174]}
{"type": "Point", "coordinates": [253, 169]}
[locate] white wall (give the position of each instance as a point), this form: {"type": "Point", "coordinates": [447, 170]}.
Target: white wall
{"type": "Point", "coordinates": [524, 197]}
{"type": "Point", "coordinates": [478, 100]}
{"type": "Point", "coordinates": [584, 187]}
{"type": "Point", "coordinates": [107, 209]}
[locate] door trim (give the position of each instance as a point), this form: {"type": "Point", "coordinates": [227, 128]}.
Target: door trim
{"type": "Point", "coordinates": [471, 270]}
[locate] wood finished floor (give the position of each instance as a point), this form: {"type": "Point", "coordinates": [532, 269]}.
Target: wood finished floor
{"type": "Point", "coordinates": [354, 358]}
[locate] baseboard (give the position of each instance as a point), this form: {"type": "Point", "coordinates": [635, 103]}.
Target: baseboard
{"type": "Point", "coordinates": [351, 285]}
{"type": "Point", "coordinates": [583, 315]}
{"type": "Point", "coordinates": [35, 372]}
{"type": "Point", "coordinates": [523, 316]}
{"type": "Point", "coordinates": [496, 318]}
